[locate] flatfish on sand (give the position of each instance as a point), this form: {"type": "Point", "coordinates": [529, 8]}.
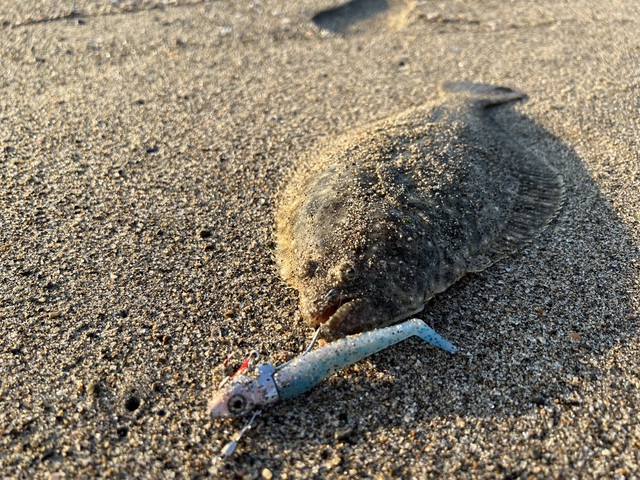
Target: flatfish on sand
{"type": "Point", "coordinates": [375, 223]}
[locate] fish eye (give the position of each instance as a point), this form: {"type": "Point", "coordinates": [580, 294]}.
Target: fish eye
{"type": "Point", "coordinates": [348, 272]}
{"type": "Point", "coordinates": [237, 404]}
{"type": "Point", "coordinates": [309, 268]}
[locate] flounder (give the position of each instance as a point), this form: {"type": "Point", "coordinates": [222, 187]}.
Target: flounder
{"type": "Point", "coordinates": [375, 223]}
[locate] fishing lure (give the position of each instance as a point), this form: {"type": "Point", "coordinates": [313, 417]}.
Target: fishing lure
{"type": "Point", "coordinates": [261, 384]}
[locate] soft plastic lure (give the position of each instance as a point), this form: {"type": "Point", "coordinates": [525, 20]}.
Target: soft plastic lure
{"type": "Point", "coordinates": [257, 385]}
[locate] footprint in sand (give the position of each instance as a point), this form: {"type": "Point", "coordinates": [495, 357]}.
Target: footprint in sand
{"type": "Point", "coordinates": [364, 13]}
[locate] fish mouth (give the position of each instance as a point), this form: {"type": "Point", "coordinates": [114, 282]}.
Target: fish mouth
{"type": "Point", "coordinates": [334, 310]}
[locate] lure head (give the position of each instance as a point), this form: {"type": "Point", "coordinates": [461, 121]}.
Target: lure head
{"type": "Point", "coordinates": [250, 387]}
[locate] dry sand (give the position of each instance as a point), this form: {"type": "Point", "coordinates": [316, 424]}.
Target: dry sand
{"type": "Point", "coordinates": [142, 144]}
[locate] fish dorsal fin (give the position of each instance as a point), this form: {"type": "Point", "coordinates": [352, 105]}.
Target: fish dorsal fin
{"type": "Point", "coordinates": [540, 195]}
{"type": "Point", "coordinates": [540, 191]}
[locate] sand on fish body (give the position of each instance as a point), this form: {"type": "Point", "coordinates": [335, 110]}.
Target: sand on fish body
{"type": "Point", "coordinates": [377, 222]}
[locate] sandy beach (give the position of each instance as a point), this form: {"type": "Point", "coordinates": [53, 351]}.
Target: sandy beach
{"type": "Point", "coordinates": [142, 146]}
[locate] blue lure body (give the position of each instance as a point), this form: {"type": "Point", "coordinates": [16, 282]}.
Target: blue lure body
{"type": "Point", "coordinates": [263, 384]}
{"type": "Point", "coordinates": [306, 371]}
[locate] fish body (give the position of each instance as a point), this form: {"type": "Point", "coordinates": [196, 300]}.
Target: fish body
{"type": "Point", "coordinates": [263, 384]}
{"type": "Point", "coordinates": [377, 222]}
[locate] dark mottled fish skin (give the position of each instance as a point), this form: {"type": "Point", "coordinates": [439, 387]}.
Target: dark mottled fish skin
{"type": "Point", "coordinates": [374, 224]}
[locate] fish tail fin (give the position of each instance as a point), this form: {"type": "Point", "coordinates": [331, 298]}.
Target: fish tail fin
{"type": "Point", "coordinates": [428, 334]}
{"type": "Point", "coordinates": [482, 94]}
